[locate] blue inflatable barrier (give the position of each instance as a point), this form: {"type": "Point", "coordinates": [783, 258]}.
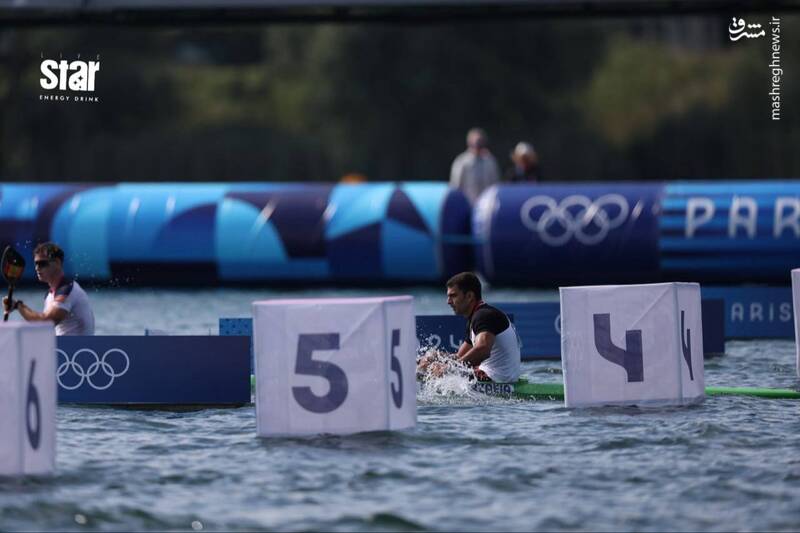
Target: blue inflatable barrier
{"type": "Point", "coordinates": [568, 234]}
{"type": "Point", "coordinates": [152, 371]}
{"type": "Point", "coordinates": [730, 232]}
{"type": "Point", "coordinates": [207, 233]}
{"type": "Point", "coordinates": [415, 232]}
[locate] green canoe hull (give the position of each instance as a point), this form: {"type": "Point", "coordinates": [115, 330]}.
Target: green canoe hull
{"type": "Point", "coordinates": [555, 391]}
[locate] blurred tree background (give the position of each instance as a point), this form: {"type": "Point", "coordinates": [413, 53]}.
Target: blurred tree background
{"type": "Point", "coordinates": [654, 98]}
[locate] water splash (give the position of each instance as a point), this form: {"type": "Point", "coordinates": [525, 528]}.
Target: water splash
{"type": "Point", "coordinates": [448, 382]}
{"type": "Point", "coordinates": [443, 378]}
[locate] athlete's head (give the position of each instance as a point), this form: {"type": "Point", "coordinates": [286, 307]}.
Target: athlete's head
{"type": "Point", "coordinates": [463, 292]}
{"type": "Point", "coordinates": [48, 258]}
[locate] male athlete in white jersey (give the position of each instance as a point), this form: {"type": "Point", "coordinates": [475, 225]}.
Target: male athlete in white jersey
{"type": "Point", "coordinates": [66, 304]}
{"type": "Point", "coordinates": [490, 347]}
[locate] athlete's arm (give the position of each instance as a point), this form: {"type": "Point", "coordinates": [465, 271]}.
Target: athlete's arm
{"type": "Point", "coordinates": [53, 314]}
{"type": "Point", "coordinates": [478, 352]}
{"type": "Point", "coordinates": [464, 348]}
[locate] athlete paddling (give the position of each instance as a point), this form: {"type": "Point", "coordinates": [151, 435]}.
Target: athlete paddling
{"type": "Point", "coordinates": [66, 303]}
{"type": "Point", "coordinates": [490, 347]}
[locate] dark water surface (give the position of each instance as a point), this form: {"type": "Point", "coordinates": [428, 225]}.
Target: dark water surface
{"type": "Point", "coordinates": [472, 463]}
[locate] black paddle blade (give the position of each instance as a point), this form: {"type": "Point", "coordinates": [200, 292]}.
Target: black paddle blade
{"type": "Point", "coordinates": [13, 265]}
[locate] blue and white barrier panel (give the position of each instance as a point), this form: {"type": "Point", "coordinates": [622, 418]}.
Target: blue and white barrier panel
{"type": "Point", "coordinates": [755, 312]}
{"type": "Point", "coordinates": [539, 327]}
{"type": "Point", "coordinates": [432, 331]}
{"type": "Point", "coordinates": [162, 370]}
{"type": "Point", "coordinates": [537, 323]}
{"type": "Point", "coordinates": [728, 313]}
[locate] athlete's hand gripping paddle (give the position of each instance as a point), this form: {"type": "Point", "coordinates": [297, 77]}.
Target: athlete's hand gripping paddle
{"type": "Point", "coordinates": [13, 265]}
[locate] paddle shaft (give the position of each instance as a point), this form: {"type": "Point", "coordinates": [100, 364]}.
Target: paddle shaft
{"type": "Point", "coordinates": [12, 265]}
{"type": "Point", "coordinates": [10, 302]}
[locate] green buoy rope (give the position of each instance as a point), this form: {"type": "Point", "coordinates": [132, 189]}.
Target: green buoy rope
{"type": "Point", "coordinates": [760, 392]}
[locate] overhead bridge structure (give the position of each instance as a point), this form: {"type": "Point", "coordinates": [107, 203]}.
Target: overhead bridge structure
{"type": "Point", "coordinates": [177, 12]}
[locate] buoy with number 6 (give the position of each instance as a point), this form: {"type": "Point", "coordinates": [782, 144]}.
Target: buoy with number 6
{"type": "Point", "coordinates": [27, 398]}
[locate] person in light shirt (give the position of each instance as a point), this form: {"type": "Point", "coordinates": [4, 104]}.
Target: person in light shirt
{"type": "Point", "coordinates": [476, 169]}
{"type": "Point", "coordinates": [491, 346]}
{"type": "Point", "coordinates": [66, 303]}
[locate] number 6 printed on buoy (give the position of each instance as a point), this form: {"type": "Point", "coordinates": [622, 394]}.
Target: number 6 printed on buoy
{"type": "Point", "coordinates": [27, 398]}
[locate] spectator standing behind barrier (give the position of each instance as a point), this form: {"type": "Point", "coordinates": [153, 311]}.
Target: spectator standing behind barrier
{"type": "Point", "coordinates": [476, 169]}
{"type": "Point", "coordinates": [526, 164]}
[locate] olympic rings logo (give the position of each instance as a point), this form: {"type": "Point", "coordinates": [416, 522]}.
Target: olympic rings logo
{"type": "Point", "coordinates": [435, 341]}
{"type": "Point", "coordinates": [90, 374]}
{"type": "Point", "coordinates": [588, 221]}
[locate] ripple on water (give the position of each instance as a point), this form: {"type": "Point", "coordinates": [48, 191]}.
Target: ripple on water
{"type": "Point", "coordinates": [378, 521]}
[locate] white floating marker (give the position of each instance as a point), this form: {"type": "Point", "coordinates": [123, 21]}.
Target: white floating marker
{"type": "Point", "coordinates": [27, 398]}
{"type": "Point", "coordinates": [335, 366]}
{"type": "Point", "coordinates": [632, 344]}
{"type": "Point", "coordinates": [796, 311]}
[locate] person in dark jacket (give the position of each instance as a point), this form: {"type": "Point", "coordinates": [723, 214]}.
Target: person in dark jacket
{"type": "Point", "coordinates": [526, 164]}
